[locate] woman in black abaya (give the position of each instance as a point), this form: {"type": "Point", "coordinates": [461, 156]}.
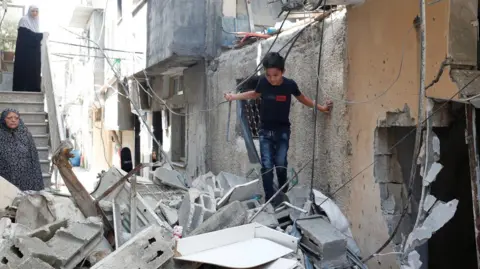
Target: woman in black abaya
{"type": "Point", "coordinates": [26, 70]}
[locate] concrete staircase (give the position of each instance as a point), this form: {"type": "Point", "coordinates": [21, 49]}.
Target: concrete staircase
{"type": "Point", "coordinates": [32, 110]}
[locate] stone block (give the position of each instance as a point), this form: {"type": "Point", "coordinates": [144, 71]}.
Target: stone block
{"type": "Point", "coordinates": [195, 209]}
{"type": "Point", "coordinates": [147, 250]}
{"type": "Point", "coordinates": [232, 215]}
{"type": "Point", "coordinates": [393, 198]}
{"type": "Point", "coordinates": [327, 241]}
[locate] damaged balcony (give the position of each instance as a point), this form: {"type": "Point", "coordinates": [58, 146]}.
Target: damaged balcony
{"type": "Point", "coordinates": [176, 34]}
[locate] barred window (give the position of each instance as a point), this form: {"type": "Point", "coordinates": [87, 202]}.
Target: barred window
{"type": "Point", "coordinates": [252, 111]}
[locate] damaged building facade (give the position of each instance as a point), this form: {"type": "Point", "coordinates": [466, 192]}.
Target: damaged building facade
{"type": "Point", "coordinates": [370, 66]}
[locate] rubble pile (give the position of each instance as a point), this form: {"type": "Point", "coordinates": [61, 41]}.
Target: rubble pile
{"type": "Point", "coordinates": [214, 221]}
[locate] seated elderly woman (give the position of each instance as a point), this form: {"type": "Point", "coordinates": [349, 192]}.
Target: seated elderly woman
{"type": "Point", "coordinates": [19, 163]}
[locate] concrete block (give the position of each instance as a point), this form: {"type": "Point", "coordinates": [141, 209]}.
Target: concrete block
{"type": "Point", "coordinates": [147, 250]}
{"type": "Point", "coordinates": [232, 215]}
{"type": "Point", "coordinates": [169, 213]}
{"type": "Point", "coordinates": [195, 209]}
{"type": "Point", "coordinates": [72, 244]}
{"type": "Point", "coordinates": [208, 183]}
{"type": "Point", "coordinates": [170, 178]}
{"type": "Point", "coordinates": [34, 263]}
{"type": "Point", "coordinates": [330, 244]}
{"type": "Point", "coordinates": [266, 217]}
{"type": "Point", "coordinates": [36, 248]}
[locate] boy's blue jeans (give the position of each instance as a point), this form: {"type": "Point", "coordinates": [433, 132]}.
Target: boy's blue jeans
{"type": "Point", "coordinates": [273, 151]}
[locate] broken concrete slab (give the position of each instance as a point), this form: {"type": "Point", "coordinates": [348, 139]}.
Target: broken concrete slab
{"type": "Point", "coordinates": [35, 210]}
{"type": "Point", "coordinates": [228, 181]}
{"type": "Point", "coordinates": [170, 178]}
{"type": "Point", "coordinates": [203, 183]}
{"type": "Point", "coordinates": [195, 209]}
{"type": "Point", "coordinates": [34, 263]}
{"type": "Point", "coordinates": [440, 214]}
{"type": "Point", "coordinates": [328, 242]}
{"type": "Point", "coordinates": [9, 192]}
{"type": "Point", "coordinates": [232, 215]}
{"type": "Point", "coordinates": [72, 244]}
{"type": "Point", "coordinates": [147, 250]}
{"type": "Point", "coordinates": [169, 213]}
{"type": "Point", "coordinates": [46, 232]}
{"type": "Point", "coordinates": [266, 217]}
{"type": "Point", "coordinates": [14, 230]}
{"type": "Point", "coordinates": [241, 192]}
{"type": "Point", "coordinates": [432, 174]}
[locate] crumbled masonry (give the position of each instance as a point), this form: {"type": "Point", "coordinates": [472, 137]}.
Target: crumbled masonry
{"type": "Point", "coordinates": [49, 232]}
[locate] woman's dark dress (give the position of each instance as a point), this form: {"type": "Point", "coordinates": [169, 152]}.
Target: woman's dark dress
{"type": "Point", "coordinates": [27, 66]}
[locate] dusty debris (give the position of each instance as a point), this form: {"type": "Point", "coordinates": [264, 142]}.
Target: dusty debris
{"type": "Point", "coordinates": [195, 209]}
{"type": "Point", "coordinates": [232, 215]}
{"type": "Point", "coordinates": [52, 232]}
{"type": "Point", "coordinates": [169, 213]}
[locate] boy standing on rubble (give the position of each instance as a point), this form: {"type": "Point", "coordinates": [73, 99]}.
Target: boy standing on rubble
{"type": "Point", "coordinates": [275, 91]}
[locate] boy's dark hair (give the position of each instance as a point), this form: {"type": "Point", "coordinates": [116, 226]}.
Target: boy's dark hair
{"type": "Point", "coordinates": [274, 60]}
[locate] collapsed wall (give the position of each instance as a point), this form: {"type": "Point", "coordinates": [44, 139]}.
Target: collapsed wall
{"type": "Point", "coordinates": [332, 145]}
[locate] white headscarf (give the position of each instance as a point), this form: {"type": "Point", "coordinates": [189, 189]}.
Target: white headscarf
{"type": "Point", "coordinates": [30, 22]}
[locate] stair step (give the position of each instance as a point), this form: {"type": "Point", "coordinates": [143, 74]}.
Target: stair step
{"type": "Point", "coordinates": [21, 97]}
{"type": "Point", "coordinates": [33, 117]}
{"type": "Point", "coordinates": [23, 107]}
{"type": "Point", "coordinates": [47, 179]}
{"type": "Point", "coordinates": [41, 140]}
{"type": "Point", "coordinates": [37, 128]}
{"type": "Point", "coordinates": [43, 153]}
{"type": "Point", "coordinates": [45, 166]}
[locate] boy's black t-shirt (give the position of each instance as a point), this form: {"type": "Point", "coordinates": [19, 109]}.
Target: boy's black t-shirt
{"type": "Point", "coordinates": [276, 100]}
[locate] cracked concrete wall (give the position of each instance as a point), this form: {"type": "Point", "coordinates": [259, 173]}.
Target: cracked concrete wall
{"type": "Point", "coordinates": [377, 31]}
{"type": "Point", "coordinates": [332, 166]}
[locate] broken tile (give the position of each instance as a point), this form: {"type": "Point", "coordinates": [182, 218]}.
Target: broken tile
{"type": "Point", "coordinates": [229, 216]}
{"type": "Point", "coordinates": [170, 178]}
{"type": "Point", "coordinates": [147, 250]}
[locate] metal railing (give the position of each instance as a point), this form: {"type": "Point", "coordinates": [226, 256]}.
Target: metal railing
{"type": "Point", "coordinates": [55, 123]}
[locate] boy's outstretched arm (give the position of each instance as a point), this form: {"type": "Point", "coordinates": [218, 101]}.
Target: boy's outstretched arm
{"type": "Point", "coordinates": [241, 96]}
{"type": "Point", "coordinates": [309, 102]}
